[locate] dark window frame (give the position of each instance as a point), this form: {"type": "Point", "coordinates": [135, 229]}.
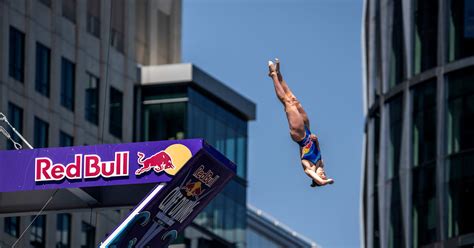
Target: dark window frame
{"type": "Point", "coordinates": [68, 83]}
{"type": "Point", "coordinates": [42, 81]}
{"type": "Point", "coordinates": [16, 63]}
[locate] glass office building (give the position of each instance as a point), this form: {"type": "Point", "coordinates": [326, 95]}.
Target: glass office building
{"type": "Point", "coordinates": [192, 104]}
{"type": "Point", "coordinates": [418, 169]}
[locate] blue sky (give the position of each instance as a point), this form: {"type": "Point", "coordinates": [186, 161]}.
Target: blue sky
{"type": "Point", "coordinates": [319, 44]}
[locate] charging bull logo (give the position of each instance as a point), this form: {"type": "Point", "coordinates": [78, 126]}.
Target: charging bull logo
{"type": "Point", "coordinates": [170, 160]}
{"type": "Point", "coordinates": [193, 189]}
{"type": "Point", "coordinates": [158, 162]}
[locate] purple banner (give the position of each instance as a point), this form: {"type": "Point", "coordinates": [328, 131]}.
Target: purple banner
{"type": "Point", "coordinates": [170, 207]}
{"type": "Point", "coordinates": [99, 165]}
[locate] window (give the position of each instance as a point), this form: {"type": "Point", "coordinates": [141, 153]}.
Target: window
{"type": "Point", "coordinates": [38, 229]}
{"type": "Point", "coordinates": [16, 65]}
{"type": "Point", "coordinates": [395, 232]}
{"type": "Point", "coordinates": [117, 26]}
{"type": "Point", "coordinates": [12, 226]}
{"type": "Point", "coordinates": [426, 35]}
{"type": "Point", "coordinates": [220, 127]}
{"type": "Point", "coordinates": [41, 133]}
{"type": "Point", "coordinates": [460, 151]}
{"type": "Point", "coordinates": [93, 17]}
{"type": "Point", "coordinates": [395, 235]}
{"type": "Point", "coordinates": [87, 236]}
{"type": "Point", "coordinates": [63, 231]}
{"type": "Point", "coordinates": [397, 53]}
{"type": "Point", "coordinates": [116, 112]}
{"type": "Point", "coordinates": [395, 136]}
{"type": "Point", "coordinates": [69, 10]}
{"type": "Point", "coordinates": [424, 123]}
{"type": "Point", "coordinates": [461, 29]}
{"type": "Point", "coordinates": [65, 139]}
{"type": "Point", "coordinates": [67, 84]}
{"type": "Point", "coordinates": [92, 99]}
{"type": "Point", "coordinates": [164, 121]}
{"type": "Point", "coordinates": [43, 63]}
{"type": "Point", "coordinates": [376, 154]}
{"type": "Point", "coordinates": [15, 116]}
{"type": "Point", "coordinates": [424, 162]}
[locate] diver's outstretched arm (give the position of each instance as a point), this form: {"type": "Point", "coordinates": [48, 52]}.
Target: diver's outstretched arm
{"type": "Point", "coordinates": [313, 175]}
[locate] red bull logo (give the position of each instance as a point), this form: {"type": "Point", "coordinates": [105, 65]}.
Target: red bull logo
{"type": "Point", "coordinates": [159, 162]}
{"type": "Point", "coordinates": [193, 189]}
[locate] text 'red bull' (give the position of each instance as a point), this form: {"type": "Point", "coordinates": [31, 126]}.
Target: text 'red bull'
{"type": "Point", "coordinates": [89, 165]}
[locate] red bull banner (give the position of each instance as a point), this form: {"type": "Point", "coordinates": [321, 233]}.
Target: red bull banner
{"type": "Point", "coordinates": [188, 174]}
{"type": "Point", "coordinates": [91, 166]}
{"type": "Point", "coordinates": [170, 207]}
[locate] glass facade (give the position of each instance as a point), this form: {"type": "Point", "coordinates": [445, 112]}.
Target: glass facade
{"type": "Point", "coordinates": [426, 35]}
{"type": "Point", "coordinates": [184, 112]}
{"type": "Point", "coordinates": [43, 65]}
{"type": "Point", "coordinates": [424, 164]}
{"type": "Point", "coordinates": [425, 197]}
{"type": "Point", "coordinates": [222, 129]}
{"type": "Point", "coordinates": [395, 136]}
{"type": "Point", "coordinates": [376, 159]}
{"type": "Point", "coordinates": [255, 240]}
{"type": "Point", "coordinates": [16, 61]}
{"type": "Point", "coordinates": [67, 84]}
{"type": "Point", "coordinates": [397, 53]}
{"type": "Point", "coordinates": [180, 112]}
{"type": "Point", "coordinates": [461, 29]}
{"type": "Point", "coordinates": [395, 235]}
{"type": "Point", "coordinates": [460, 152]}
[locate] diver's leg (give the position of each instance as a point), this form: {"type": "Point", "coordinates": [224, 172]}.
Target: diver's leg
{"type": "Point", "coordinates": [290, 94]}
{"type": "Point", "coordinates": [295, 119]}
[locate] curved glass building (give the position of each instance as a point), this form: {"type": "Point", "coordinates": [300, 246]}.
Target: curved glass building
{"type": "Point", "coordinates": [418, 166]}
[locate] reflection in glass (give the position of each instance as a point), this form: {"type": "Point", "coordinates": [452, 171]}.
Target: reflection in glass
{"type": "Point", "coordinates": [460, 150]}
{"type": "Point", "coordinates": [426, 34]}
{"type": "Point", "coordinates": [396, 232]}
{"type": "Point", "coordinates": [424, 123]}
{"type": "Point", "coordinates": [397, 53]}
{"type": "Point", "coordinates": [376, 154]}
{"type": "Point", "coordinates": [164, 121]}
{"type": "Point", "coordinates": [461, 29]}
{"type": "Point", "coordinates": [424, 172]}
{"type": "Point", "coordinates": [395, 136]}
